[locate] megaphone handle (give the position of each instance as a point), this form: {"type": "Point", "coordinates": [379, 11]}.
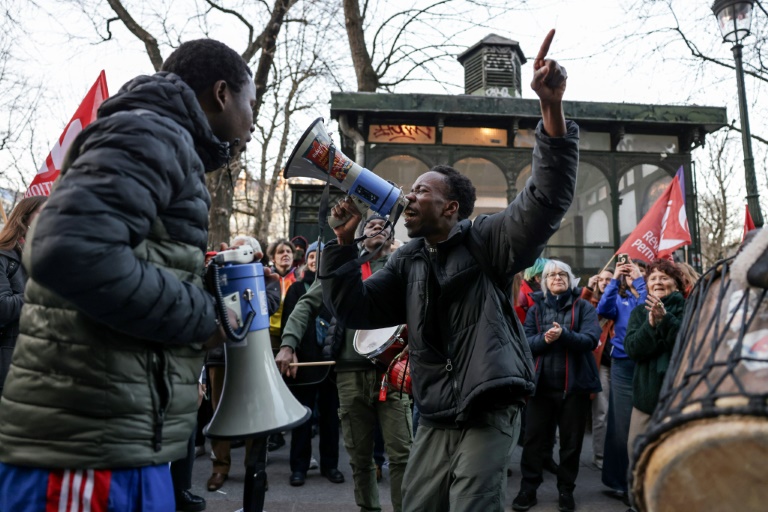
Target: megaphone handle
{"type": "Point", "coordinates": [334, 222]}
{"type": "Point", "coordinates": [361, 207]}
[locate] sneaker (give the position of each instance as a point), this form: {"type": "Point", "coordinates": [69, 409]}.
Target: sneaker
{"type": "Point", "coordinates": [598, 462]}
{"type": "Point", "coordinates": [199, 450]}
{"type": "Point", "coordinates": [313, 463]}
{"type": "Point", "coordinates": [524, 500]}
{"type": "Point", "coordinates": [565, 502]}
{"type": "Point", "coordinates": [618, 495]}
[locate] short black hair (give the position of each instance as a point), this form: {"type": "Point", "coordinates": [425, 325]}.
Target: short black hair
{"type": "Point", "coordinates": [203, 62]}
{"type": "Point", "coordinates": [460, 189]}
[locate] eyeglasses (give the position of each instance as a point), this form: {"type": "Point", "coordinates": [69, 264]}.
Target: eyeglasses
{"type": "Point", "coordinates": [561, 275]}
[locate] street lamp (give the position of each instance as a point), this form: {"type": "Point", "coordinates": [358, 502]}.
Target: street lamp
{"type": "Point", "coordinates": [735, 19]}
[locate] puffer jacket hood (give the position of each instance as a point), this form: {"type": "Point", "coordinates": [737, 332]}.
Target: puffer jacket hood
{"type": "Point", "coordinates": [178, 102]}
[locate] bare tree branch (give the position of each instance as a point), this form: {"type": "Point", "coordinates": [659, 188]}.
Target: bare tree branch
{"type": "Point", "coordinates": [150, 43]}
{"type": "Point", "coordinates": [253, 44]}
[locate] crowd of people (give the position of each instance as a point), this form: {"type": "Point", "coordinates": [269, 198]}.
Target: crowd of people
{"type": "Point", "coordinates": [107, 376]}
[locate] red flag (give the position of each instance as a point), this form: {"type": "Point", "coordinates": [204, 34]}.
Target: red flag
{"type": "Point", "coordinates": [663, 229]}
{"type": "Point", "coordinates": [749, 225]}
{"type": "Point", "coordinates": [85, 114]}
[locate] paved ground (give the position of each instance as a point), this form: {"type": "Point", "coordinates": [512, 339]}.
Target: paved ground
{"type": "Point", "coordinates": [320, 495]}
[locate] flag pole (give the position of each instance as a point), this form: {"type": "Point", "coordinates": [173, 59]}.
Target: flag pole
{"type": "Point", "coordinates": [606, 265]}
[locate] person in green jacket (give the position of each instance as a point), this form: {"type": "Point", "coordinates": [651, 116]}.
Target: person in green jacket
{"type": "Point", "coordinates": [359, 382]}
{"type": "Point", "coordinates": [651, 334]}
{"type": "Point", "coordinates": [102, 390]}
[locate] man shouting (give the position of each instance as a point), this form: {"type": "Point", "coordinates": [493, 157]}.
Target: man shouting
{"type": "Point", "coordinates": [471, 365]}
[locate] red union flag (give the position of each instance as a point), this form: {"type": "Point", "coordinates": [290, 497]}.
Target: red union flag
{"type": "Point", "coordinates": [85, 114]}
{"type": "Point", "coordinates": [749, 224]}
{"type": "Point", "coordinates": [663, 229]}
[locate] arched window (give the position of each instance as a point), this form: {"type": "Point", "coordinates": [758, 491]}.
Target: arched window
{"type": "Point", "coordinates": [639, 187]}
{"type": "Point", "coordinates": [587, 222]}
{"type": "Point", "coordinates": [489, 181]}
{"type": "Point", "coordinates": [598, 228]}
{"type": "Point", "coordinates": [401, 170]}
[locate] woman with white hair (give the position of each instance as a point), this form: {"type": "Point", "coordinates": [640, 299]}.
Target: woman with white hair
{"type": "Point", "coordinates": [562, 331]}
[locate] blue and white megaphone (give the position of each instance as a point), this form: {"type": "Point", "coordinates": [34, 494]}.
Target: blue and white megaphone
{"type": "Point", "coordinates": [255, 401]}
{"type": "Point", "coordinates": [310, 159]}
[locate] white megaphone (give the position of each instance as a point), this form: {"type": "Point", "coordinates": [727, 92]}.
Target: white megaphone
{"type": "Point", "coordinates": [310, 159]}
{"type": "Point", "coordinates": [254, 401]}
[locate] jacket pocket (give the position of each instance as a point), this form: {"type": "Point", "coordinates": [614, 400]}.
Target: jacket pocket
{"type": "Point", "coordinates": [429, 373]}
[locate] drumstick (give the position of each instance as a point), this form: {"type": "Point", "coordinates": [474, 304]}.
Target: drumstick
{"type": "Point", "coordinates": [314, 363]}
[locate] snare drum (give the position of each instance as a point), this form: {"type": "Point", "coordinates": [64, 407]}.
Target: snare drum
{"type": "Point", "coordinates": [706, 446]}
{"type": "Point", "coordinates": [381, 345]}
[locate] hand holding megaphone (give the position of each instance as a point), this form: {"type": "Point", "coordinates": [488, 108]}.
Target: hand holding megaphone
{"type": "Point", "coordinates": [346, 217]}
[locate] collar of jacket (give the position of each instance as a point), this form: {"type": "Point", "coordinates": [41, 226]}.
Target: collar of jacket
{"type": "Point", "coordinates": [455, 237]}
{"type": "Point", "coordinates": [538, 297]}
{"type": "Point", "coordinates": [12, 254]}
{"type": "Point", "coordinates": [168, 95]}
{"type": "Point", "coordinates": [673, 299]}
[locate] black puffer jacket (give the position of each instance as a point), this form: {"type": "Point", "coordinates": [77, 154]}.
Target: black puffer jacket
{"type": "Point", "coordinates": [105, 370]}
{"type": "Point", "coordinates": [13, 278]}
{"type": "Point", "coordinates": [568, 361]}
{"type": "Point", "coordinates": [484, 355]}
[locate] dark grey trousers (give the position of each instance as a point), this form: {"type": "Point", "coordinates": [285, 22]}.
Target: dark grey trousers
{"type": "Point", "coordinates": [462, 469]}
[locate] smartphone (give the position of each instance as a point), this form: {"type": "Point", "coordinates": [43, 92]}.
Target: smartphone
{"type": "Point", "coordinates": [623, 258]}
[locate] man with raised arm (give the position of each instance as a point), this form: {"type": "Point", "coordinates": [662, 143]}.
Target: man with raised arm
{"type": "Point", "coordinates": [471, 365]}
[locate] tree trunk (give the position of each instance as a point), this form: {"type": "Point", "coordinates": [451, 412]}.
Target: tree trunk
{"type": "Point", "coordinates": [268, 41]}
{"type": "Point", "coordinates": [367, 80]}
{"type": "Point", "coordinates": [221, 185]}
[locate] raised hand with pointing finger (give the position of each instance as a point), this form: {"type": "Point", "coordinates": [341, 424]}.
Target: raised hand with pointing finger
{"type": "Point", "coordinates": [549, 80]}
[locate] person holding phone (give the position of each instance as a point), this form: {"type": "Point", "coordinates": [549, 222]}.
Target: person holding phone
{"type": "Point", "coordinates": [626, 291]}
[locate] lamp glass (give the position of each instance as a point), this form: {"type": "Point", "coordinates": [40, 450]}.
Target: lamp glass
{"type": "Point", "coordinates": [735, 20]}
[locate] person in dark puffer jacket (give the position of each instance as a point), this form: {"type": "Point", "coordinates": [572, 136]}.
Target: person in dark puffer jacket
{"type": "Point", "coordinates": [471, 367]}
{"type": "Point", "coordinates": [102, 390]}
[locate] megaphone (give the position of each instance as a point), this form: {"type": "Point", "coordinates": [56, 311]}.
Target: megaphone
{"type": "Point", "coordinates": [310, 159]}
{"type": "Point", "coordinates": [255, 401]}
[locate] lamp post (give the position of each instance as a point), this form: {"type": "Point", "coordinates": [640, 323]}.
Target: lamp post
{"type": "Point", "coordinates": [735, 19]}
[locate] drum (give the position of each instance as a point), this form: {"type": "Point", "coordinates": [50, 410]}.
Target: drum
{"type": "Point", "coordinates": [399, 374]}
{"type": "Point", "coordinates": [706, 446]}
{"type": "Point", "coordinates": [381, 345]}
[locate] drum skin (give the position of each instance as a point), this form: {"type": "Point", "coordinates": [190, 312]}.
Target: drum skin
{"type": "Point", "coordinates": [706, 448]}
{"type": "Point", "coordinates": [381, 345]}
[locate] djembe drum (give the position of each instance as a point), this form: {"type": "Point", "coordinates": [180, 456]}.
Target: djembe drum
{"type": "Point", "coordinates": [706, 447]}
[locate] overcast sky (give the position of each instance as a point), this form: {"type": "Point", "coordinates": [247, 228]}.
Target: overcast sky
{"type": "Point", "coordinates": [585, 43]}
